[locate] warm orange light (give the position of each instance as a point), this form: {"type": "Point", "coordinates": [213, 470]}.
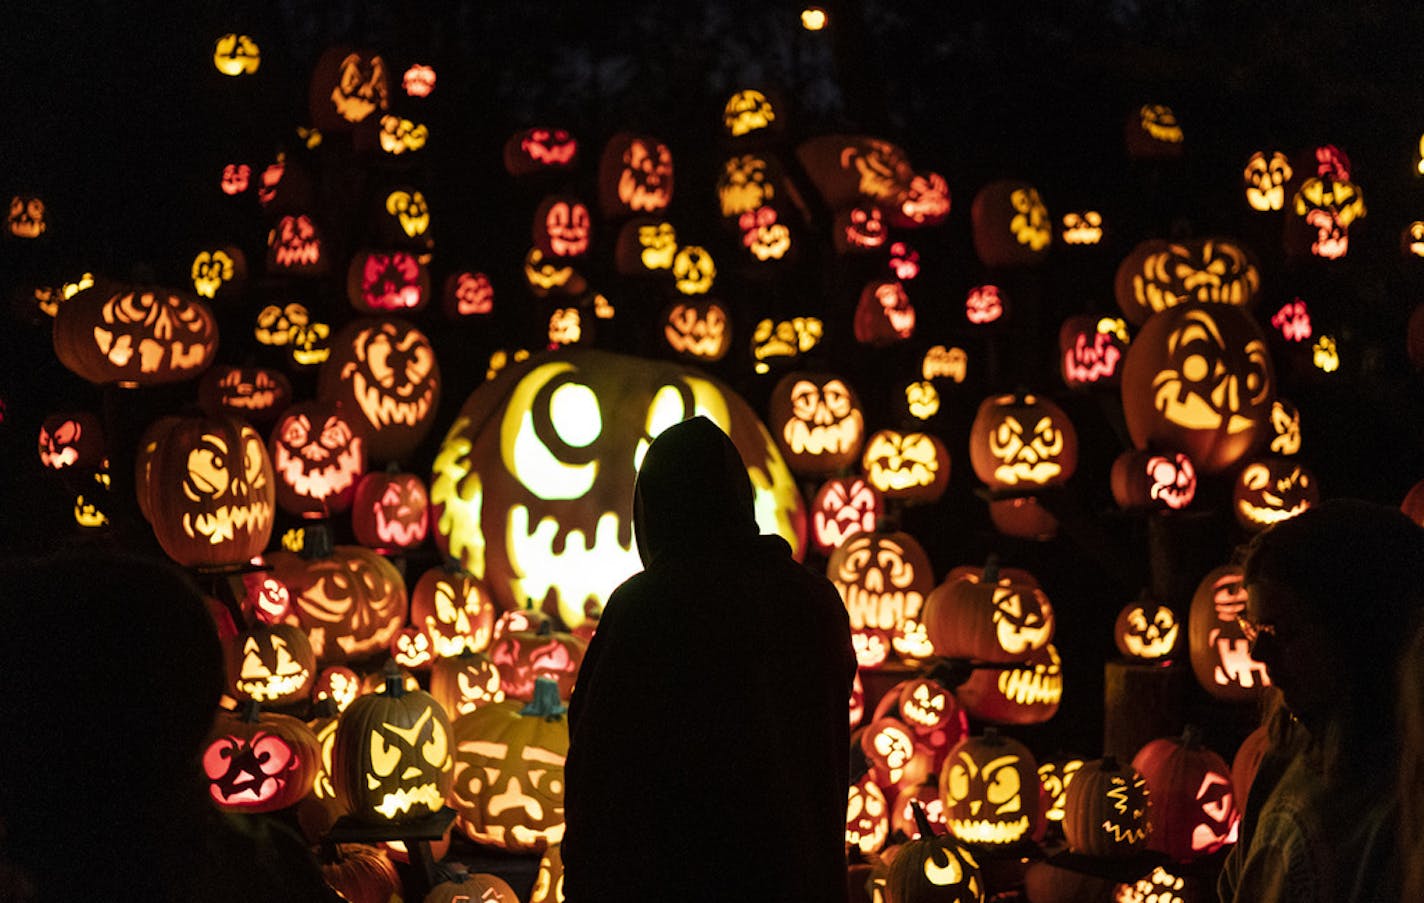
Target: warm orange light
{"type": "Point", "coordinates": [813, 18]}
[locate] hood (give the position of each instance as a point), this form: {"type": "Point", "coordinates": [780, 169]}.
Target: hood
{"type": "Point", "coordinates": [692, 489]}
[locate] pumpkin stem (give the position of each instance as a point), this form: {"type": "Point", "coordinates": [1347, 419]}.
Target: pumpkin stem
{"type": "Point", "coordinates": [1191, 736]}
{"type": "Point", "coordinates": [316, 541]}
{"type": "Point", "coordinates": [251, 711]}
{"type": "Point", "coordinates": [546, 628]}
{"type": "Point", "coordinates": [991, 568]}
{"type": "Point", "coordinates": [922, 821]}
{"type": "Point", "coordinates": [1109, 763]}
{"type": "Point", "coordinates": [546, 703]}
{"type": "Point", "coordinates": [395, 680]}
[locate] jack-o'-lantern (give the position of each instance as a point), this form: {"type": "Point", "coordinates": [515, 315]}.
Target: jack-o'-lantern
{"type": "Point", "coordinates": [985, 304]}
{"type": "Point", "coordinates": [350, 602]}
{"type": "Point", "coordinates": [523, 657]}
{"type": "Point", "coordinates": [338, 683]}
{"type": "Point", "coordinates": [1411, 239]}
{"type": "Point", "coordinates": [135, 336]}
{"type": "Point", "coordinates": [843, 507]}
{"type": "Point", "coordinates": [1090, 350]}
{"type": "Point", "coordinates": [1011, 225]}
{"type": "Point", "coordinates": [89, 512]}
{"type": "Point", "coordinates": [645, 246]}
{"type": "Point", "coordinates": [567, 328]}
{"type": "Point", "coordinates": [454, 609]}
{"type": "Point", "coordinates": [390, 511]}
{"type": "Point", "coordinates": [897, 758]}
{"type": "Point", "coordinates": [925, 202]}
{"type": "Point", "coordinates": [465, 682]}
{"type": "Point", "coordinates": [410, 649]}
{"type": "Point", "coordinates": [392, 760]}
{"type": "Point", "coordinates": [867, 816]}
{"type": "Point", "coordinates": [693, 270]}
{"type": "Point", "coordinates": [635, 175]}
{"type": "Point", "coordinates": [1106, 810]}
{"type": "Point", "coordinates": [1081, 228]}
{"type": "Point", "coordinates": [933, 867]}
{"type": "Point", "coordinates": [1324, 208]}
{"type": "Point", "coordinates": [1194, 811]}
{"type": "Point", "coordinates": [883, 579]}
{"type": "Point", "coordinates": [549, 882]}
{"type": "Point", "coordinates": [698, 330]}
{"type": "Point", "coordinates": [1269, 490]}
{"type": "Point", "coordinates": [533, 485]}
{"type": "Point", "coordinates": [850, 169]}
{"type": "Point", "coordinates": [295, 246]}
{"type": "Point", "coordinates": [1054, 776]}
{"type": "Point", "coordinates": [1022, 442]}
{"type": "Point", "coordinates": [259, 761]}
{"type": "Point", "coordinates": [1265, 178]}
{"type": "Point", "coordinates": [550, 277]}
{"type": "Point", "coordinates": [1026, 693]}
{"type": "Point", "coordinates": [410, 210]}
{"type": "Point", "coordinates": [256, 393]}
{"type": "Point", "coordinates": [904, 261]}
{"type": "Point", "coordinates": [782, 341]}
{"type": "Point", "coordinates": [278, 326]}
{"type": "Point", "coordinates": [884, 314]}
{"type": "Point", "coordinates": [270, 663]}
{"type": "Point", "coordinates": [540, 149]}
{"type": "Point", "coordinates": [467, 294]}
{"type": "Point", "coordinates": [1198, 379]}
{"type": "Point", "coordinates": [747, 182]}
{"type": "Point", "coordinates": [236, 54]}
{"type": "Point", "coordinates": [318, 454]}
{"type": "Point", "coordinates": [387, 281]}
{"type": "Point", "coordinates": [1153, 481]}
{"type": "Point", "coordinates": [1220, 653]}
{"type": "Point", "coordinates": [418, 80]}
{"type": "Point", "coordinates": [929, 710]}
{"type": "Point", "coordinates": [940, 362]}
{"type": "Point", "coordinates": [509, 772]}
{"type": "Point", "coordinates": [465, 887]}
{"type": "Point", "coordinates": [1146, 631]}
{"type": "Point", "coordinates": [398, 135]}
{"type": "Point", "coordinates": [989, 616]}
{"type": "Point", "coordinates": [265, 600]}
{"type": "Point", "coordinates": [221, 270]}
{"type": "Point", "coordinates": [921, 399]}
{"type": "Point", "coordinates": [763, 236]}
{"type": "Point", "coordinates": [1164, 885]}
{"type": "Point", "coordinates": [207, 489]}
{"type": "Point", "coordinates": [817, 422]}
{"type": "Point", "coordinates": [858, 229]}
{"type": "Point", "coordinates": [1325, 355]}
{"type": "Point", "coordinates": [562, 227]}
{"type": "Point", "coordinates": [989, 785]}
{"type": "Point", "coordinates": [26, 217]}
{"type": "Point", "coordinates": [1152, 131]}
{"type": "Point", "coordinates": [347, 86]}
{"type": "Point", "coordinates": [747, 111]}
{"type": "Point", "coordinates": [74, 439]}
{"type": "Point", "coordinates": [1285, 428]}
{"type": "Point", "coordinates": [1157, 275]}
{"type": "Point", "coordinates": [386, 369]}
{"type": "Point", "coordinates": [912, 467]}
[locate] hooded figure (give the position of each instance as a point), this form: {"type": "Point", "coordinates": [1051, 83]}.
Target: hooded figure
{"type": "Point", "coordinates": [709, 745]}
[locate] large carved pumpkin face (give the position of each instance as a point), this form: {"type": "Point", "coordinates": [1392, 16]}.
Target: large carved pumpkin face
{"type": "Point", "coordinates": [259, 763]}
{"type": "Point", "coordinates": [843, 507]}
{"type": "Point", "coordinates": [1193, 801]}
{"type": "Point", "coordinates": [817, 421]}
{"type": "Point", "coordinates": [990, 788]}
{"type": "Point", "coordinates": [385, 369]}
{"type": "Point", "coordinates": [1161, 274]}
{"type": "Point", "coordinates": [135, 337]}
{"type": "Point", "coordinates": [883, 579]}
{"type": "Point", "coordinates": [1022, 442]}
{"type": "Point", "coordinates": [1220, 654]}
{"type": "Point", "coordinates": [1199, 380]}
{"type": "Point", "coordinates": [318, 455]}
{"type": "Point", "coordinates": [392, 757]}
{"type": "Point", "coordinates": [533, 485]}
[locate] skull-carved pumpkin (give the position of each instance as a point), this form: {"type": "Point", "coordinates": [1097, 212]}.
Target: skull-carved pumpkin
{"type": "Point", "coordinates": [989, 785]}
{"type": "Point", "coordinates": [843, 507]}
{"type": "Point", "coordinates": [1220, 654]}
{"type": "Point", "coordinates": [350, 602]}
{"type": "Point", "coordinates": [883, 579]}
{"type": "Point", "coordinates": [912, 467]}
{"type": "Point", "coordinates": [390, 511]}
{"type": "Point", "coordinates": [988, 615]}
{"type": "Point", "coordinates": [135, 336]}
{"type": "Point", "coordinates": [1022, 442]}
{"type": "Point", "coordinates": [386, 369]}
{"type": "Point", "coordinates": [1194, 811]}
{"type": "Point", "coordinates": [817, 422]}
{"type": "Point", "coordinates": [533, 485]}
{"type": "Point", "coordinates": [1145, 631]}
{"type": "Point", "coordinates": [1157, 275]}
{"type": "Point", "coordinates": [257, 761]}
{"type": "Point", "coordinates": [454, 609]}
{"type": "Point", "coordinates": [392, 760]}
{"type": "Point", "coordinates": [318, 455]}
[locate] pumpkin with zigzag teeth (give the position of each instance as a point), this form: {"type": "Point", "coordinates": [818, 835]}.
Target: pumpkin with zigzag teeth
{"type": "Point", "coordinates": [1106, 810]}
{"type": "Point", "coordinates": [392, 761]}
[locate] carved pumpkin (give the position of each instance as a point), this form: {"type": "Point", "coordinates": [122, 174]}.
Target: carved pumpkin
{"type": "Point", "coordinates": [635, 175]}
{"type": "Point", "coordinates": [843, 507]}
{"type": "Point", "coordinates": [1020, 443]}
{"type": "Point", "coordinates": [533, 486]}
{"type": "Point", "coordinates": [255, 393]}
{"type": "Point", "coordinates": [763, 236]}
{"type": "Point", "coordinates": [454, 609]}
{"type": "Point", "coordinates": [219, 272]}
{"type": "Point", "coordinates": [849, 169]}
{"type": "Point", "coordinates": [989, 785]}
{"type": "Point", "coordinates": [258, 761]}
{"type": "Point", "coordinates": [418, 80]}
{"type": "Point", "coordinates": [928, 709]}
{"type": "Point", "coordinates": [486, 888]}
{"type": "Point", "coordinates": [1106, 810]}
{"type": "Point", "coordinates": [318, 455]}
{"type": "Point", "coordinates": [897, 758]}
{"type": "Point", "coordinates": [747, 182]}
{"type": "Point", "coordinates": [1027, 693]}
{"type": "Point", "coordinates": [884, 314]}
{"type": "Point", "coordinates": [350, 603]}
{"type": "Point", "coordinates": [858, 229]}
{"type": "Point", "coordinates": [1145, 631]}
{"type": "Point", "coordinates": [911, 467]}
{"type": "Point", "coordinates": [1325, 204]}
{"type": "Point", "coordinates": [1220, 654]}
{"type": "Point", "coordinates": [1152, 131]}
{"type": "Point", "coordinates": [698, 330]}
{"type": "Point", "coordinates": [1269, 490]}
{"type": "Point", "coordinates": [509, 772]}
{"type": "Point", "coordinates": [385, 369]}
{"type": "Point", "coordinates": [26, 217]}
{"type": "Point", "coordinates": [338, 683]}
{"type": "Point", "coordinates": [933, 868]}
{"type": "Point", "coordinates": [748, 111]}
{"type": "Point", "coordinates": [71, 440]}
{"type": "Point", "coordinates": [645, 246]}
{"type": "Point", "coordinates": [925, 202]}
{"type": "Point", "coordinates": [817, 422]}
{"type": "Point", "coordinates": [390, 511]}
{"type": "Point", "coordinates": [236, 54]}
{"type": "Point", "coordinates": [135, 336]}
{"type": "Point", "coordinates": [1090, 351]}
{"type": "Point", "coordinates": [1081, 227]}
{"type": "Point", "coordinates": [270, 664]}
{"type": "Point", "coordinates": [867, 816]}
{"type": "Point", "coordinates": [1012, 227]}
{"type": "Point", "coordinates": [991, 616]}
{"type": "Point", "coordinates": [883, 579]}
{"type": "Point", "coordinates": [1198, 379]}
{"type": "Point", "coordinates": [523, 657]}
{"type": "Point", "coordinates": [465, 682]}
{"type": "Point", "coordinates": [467, 294]}
{"type": "Point", "coordinates": [985, 304]}
{"type": "Point", "coordinates": [410, 650]}
{"type": "Point", "coordinates": [347, 87]}
{"type": "Point", "coordinates": [540, 149]}
{"type": "Point", "coordinates": [782, 341]}
{"type": "Point", "coordinates": [1054, 776]}
{"type": "Point", "coordinates": [295, 247]}
{"type": "Point", "coordinates": [940, 362]}
{"type": "Point", "coordinates": [562, 227]}
{"type": "Point", "coordinates": [392, 761]}
{"type": "Point", "coordinates": [1265, 178]}
{"type": "Point", "coordinates": [547, 277]}
{"type": "Point", "coordinates": [1158, 275]}
{"type": "Point", "coordinates": [1194, 810]}
{"type": "Point", "coordinates": [1152, 481]}
{"type": "Point", "coordinates": [380, 282]}
{"type": "Point", "coordinates": [693, 270]}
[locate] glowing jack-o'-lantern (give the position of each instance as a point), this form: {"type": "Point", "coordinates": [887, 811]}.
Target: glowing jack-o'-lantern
{"type": "Point", "coordinates": [635, 175]}
{"type": "Point", "coordinates": [1022, 442]}
{"type": "Point", "coordinates": [385, 369]}
{"type": "Point", "coordinates": [782, 341]}
{"type": "Point", "coordinates": [26, 217]}
{"type": "Point", "coordinates": [1080, 228]}
{"type": "Point", "coordinates": [389, 511]}
{"type": "Point", "coordinates": [270, 663]}
{"type": "Point", "coordinates": [467, 294]}
{"type": "Point", "coordinates": [540, 149]}
{"type": "Point", "coordinates": [1324, 208]}
{"type": "Point", "coordinates": [896, 758]}
{"type": "Point", "coordinates": [929, 710]}
{"type": "Point", "coordinates": [548, 277]}
{"type": "Point", "coordinates": [867, 816]}
{"type": "Point", "coordinates": [985, 304]}
{"type": "Point", "coordinates": [645, 246]}
{"type": "Point", "coordinates": [1106, 810]}
{"type": "Point", "coordinates": [1146, 631]}
{"type": "Point", "coordinates": [350, 602]}
{"type": "Point", "coordinates": [1194, 811]}
{"type": "Point", "coordinates": [74, 439]}
{"type": "Point", "coordinates": [1285, 428]}
{"type": "Point", "coordinates": [747, 111]}
{"type": "Point", "coordinates": [858, 229]}
{"type": "Point", "coordinates": [1011, 225]}
{"type": "Point", "coordinates": [218, 271]}
{"type": "Point", "coordinates": [925, 202]}
{"type": "Point", "coordinates": [338, 683]}
{"type": "Point", "coordinates": [747, 182]}
{"type": "Point", "coordinates": [1090, 350]}
{"type": "Point", "coordinates": [817, 422]}
{"type": "Point", "coordinates": [386, 281]}
{"type": "Point", "coordinates": [1054, 776]}
{"type": "Point", "coordinates": [256, 393]}
{"type": "Point", "coordinates": [843, 507]}
{"type": "Point", "coordinates": [764, 237]}
{"type": "Point", "coordinates": [989, 785]}
{"type": "Point", "coordinates": [1269, 490]}
{"type": "Point", "coordinates": [398, 135]}
{"type": "Point", "coordinates": [904, 261]}
{"type": "Point", "coordinates": [921, 399]}
{"type": "Point", "coordinates": [693, 270]}
{"type": "Point", "coordinates": [465, 682]}
{"type": "Point", "coordinates": [135, 336]}
{"type": "Point", "coordinates": [1159, 274]}
{"type": "Point", "coordinates": [850, 169]}
{"type": "Point", "coordinates": [940, 362]}
{"type": "Point", "coordinates": [258, 761]}
{"type": "Point", "coordinates": [392, 759]}
{"type": "Point", "coordinates": [318, 454]}
{"type": "Point", "coordinates": [454, 609]}
{"type": "Point", "coordinates": [989, 615]}
{"type": "Point", "coordinates": [1147, 480]}
{"type": "Point", "coordinates": [236, 54]}
{"type": "Point", "coordinates": [562, 227]}
{"type": "Point", "coordinates": [418, 80]}
{"type": "Point", "coordinates": [883, 579]}
{"type": "Point", "coordinates": [206, 486]}
{"type": "Point", "coordinates": [932, 866]}
{"type": "Point", "coordinates": [1265, 178]}
{"type": "Point", "coordinates": [533, 485]}
{"type": "Point", "coordinates": [347, 86]}
{"type": "Point", "coordinates": [912, 467]}
{"type": "Point", "coordinates": [523, 657]}
{"type": "Point", "coordinates": [411, 211]}
{"type": "Point", "coordinates": [699, 330]}
{"type": "Point", "coordinates": [1198, 379]}
{"type": "Point", "coordinates": [509, 772]}
{"type": "Point", "coordinates": [1027, 693]}
{"type": "Point", "coordinates": [1152, 130]}
{"type": "Point", "coordinates": [294, 245]}
{"type": "Point", "coordinates": [1220, 653]}
{"type": "Point", "coordinates": [884, 314]}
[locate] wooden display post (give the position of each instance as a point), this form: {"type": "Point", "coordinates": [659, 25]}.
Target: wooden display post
{"type": "Point", "coordinates": [1141, 702]}
{"type": "Point", "coordinates": [416, 836]}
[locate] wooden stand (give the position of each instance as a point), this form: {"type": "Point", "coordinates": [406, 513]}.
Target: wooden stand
{"type": "Point", "coordinates": [416, 836]}
{"type": "Point", "coordinates": [1141, 702]}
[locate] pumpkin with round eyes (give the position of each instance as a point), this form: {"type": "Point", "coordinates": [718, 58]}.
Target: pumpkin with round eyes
{"type": "Point", "coordinates": [817, 422]}
{"type": "Point", "coordinates": [26, 217]}
{"type": "Point", "coordinates": [524, 657]}
{"type": "Point", "coordinates": [1198, 379]}
{"type": "Point", "coordinates": [858, 229]}
{"type": "Point", "coordinates": [347, 86]}
{"type": "Point", "coordinates": [454, 609]}
{"type": "Point", "coordinates": [259, 761]}
{"type": "Point", "coordinates": [1220, 654]}
{"type": "Point", "coordinates": [540, 149]}
{"type": "Point", "coordinates": [1194, 811]}
{"type": "Point", "coordinates": [270, 664]}
{"type": "Point", "coordinates": [883, 314]}
{"type": "Point", "coordinates": [1269, 490]}
{"type": "Point", "coordinates": [206, 486]}
{"type": "Point", "coordinates": [1158, 275]}
{"type": "Point", "coordinates": [1145, 631]}
{"type": "Point", "coordinates": [910, 467]}
{"type": "Point", "coordinates": [135, 336]}
{"type": "Point", "coordinates": [991, 617]}
{"type": "Point", "coordinates": [933, 868]}
{"type": "Point", "coordinates": [389, 510]}
{"type": "Point", "coordinates": [465, 682]}
{"type": "Point", "coordinates": [533, 485]}
{"type": "Point", "coordinates": [1106, 810]}
{"type": "Point", "coordinates": [693, 270]}
{"type": "Point", "coordinates": [236, 54]}
{"type": "Point", "coordinates": [1083, 227]}
{"type": "Point", "coordinates": [635, 175]}
{"type": "Point", "coordinates": [509, 772]}
{"type": "Point", "coordinates": [1011, 225]}
{"type": "Point", "coordinates": [562, 226]}
{"type": "Point", "coordinates": [1019, 443]}
{"type": "Point", "coordinates": [350, 602]}
{"type": "Point", "coordinates": [867, 816]}
{"type": "Point", "coordinates": [989, 785]}
{"type": "Point", "coordinates": [883, 579]}
{"type": "Point", "coordinates": [73, 439]}
{"type": "Point", "coordinates": [1027, 693]}
{"type": "Point", "coordinates": [256, 393]}
{"type": "Point", "coordinates": [392, 760]}
{"type": "Point", "coordinates": [318, 455]}
{"type": "Point", "coordinates": [385, 369]}
{"type": "Point", "coordinates": [843, 507]}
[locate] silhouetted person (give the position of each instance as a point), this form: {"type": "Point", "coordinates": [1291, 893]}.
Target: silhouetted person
{"type": "Point", "coordinates": [1410, 787]}
{"type": "Point", "coordinates": [709, 747]}
{"type": "Point", "coordinates": [1331, 596]}
{"type": "Point", "coordinates": [110, 673]}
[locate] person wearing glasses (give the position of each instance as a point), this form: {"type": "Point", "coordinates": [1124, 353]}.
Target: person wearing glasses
{"type": "Point", "coordinates": [1331, 598]}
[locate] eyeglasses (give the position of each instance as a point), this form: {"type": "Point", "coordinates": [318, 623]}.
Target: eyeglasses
{"type": "Point", "coordinates": [1254, 631]}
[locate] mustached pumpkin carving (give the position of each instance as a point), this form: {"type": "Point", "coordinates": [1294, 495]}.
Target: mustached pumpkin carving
{"type": "Point", "coordinates": [318, 454]}
{"type": "Point", "coordinates": [385, 369]}
{"type": "Point", "coordinates": [350, 602]}
{"type": "Point", "coordinates": [533, 485]}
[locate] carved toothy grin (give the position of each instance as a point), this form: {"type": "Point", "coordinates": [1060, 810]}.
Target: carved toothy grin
{"type": "Point", "coordinates": [982, 830]}
{"type": "Point", "coordinates": [1268, 516]}
{"type": "Point", "coordinates": [275, 687]}
{"type": "Point", "coordinates": [833, 439]}
{"type": "Point", "coordinates": [1038, 473]}
{"type": "Point", "coordinates": [403, 800]}
{"type": "Point", "coordinates": [899, 478]}
{"type": "Point", "coordinates": [324, 481]}
{"type": "Point", "coordinates": [1031, 687]}
{"type": "Point", "coordinates": [884, 611]}
{"type": "Point", "coordinates": [382, 408]}
{"type": "Point", "coordinates": [222, 524]}
{"type": "Point", "coordinates": [551, 560]}
{"type": "Point", "coordinates": [1125, 835]}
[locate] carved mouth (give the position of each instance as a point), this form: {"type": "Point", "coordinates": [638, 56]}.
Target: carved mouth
{"type": "Point", "coordinates": [403, 800]}
{"type": "Point", "coordinates": [323, 482]}
{"type": "Point", "coordinates": [1125, 835]}
{"type": "Point", "coordinates": [900, 478]}
{"type": "Point", "coordinates": [1269, 516]}
{"type": "Point", "coordinates": [1038, 473]}
{"type": "Point", "coordinates": [883, 611]}
{"type": "Point", "coordinates": [837, 438]}
{"type": "Point", "coordinates": [275, 687]}
{"type": "Point", "coordinates": [1031, 687]}
{"type": "Point", "coordinates": [579, 573]}
{"type": "Point", "coordinates": [981, 830]}
{"type": "Point", "coordinates": [222, 524]}
{"type": "Point", "coordinates": [383, 409]}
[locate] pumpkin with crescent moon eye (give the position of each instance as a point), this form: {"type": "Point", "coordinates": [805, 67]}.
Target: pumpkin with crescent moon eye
{"type": "Point", "coordinates": [258, 761]}
{"type": "Point", "coordinates": [1158, 274]}
{"type": "Point", "coordinates": [135, 336]}
{"type": "Point", "coordinates": [933, 866]}
{"type": "Point", "coordinates": [350, 602]}
{"type": "Point", "coordinates": [699, 330]}
{"type": "Point", "coordinates": [817, 422]}
{"type": "Point", "coordinates": [990, 789]}
{"type": "Point", "coordinates": [392, 760]}
{"type": "Point", "coordinates": [843, 507]}
{"type": "Point", "coordinates": [533, 485]}
{"type": "Point", "coordinates": [347, 86]}
{"type": "Point", "coordinates": [1011, 225]}
{"type": "Point", "coordinates": [384, 370]}
{"type": "Point", "coordinates": [454, 609]}
{"type": "Point", "coordinates": [991, 615]}
{"type": "Point", "coordinates": [1146, 632]}
{"type": "Point", "coordinates": [1022, 442]}
{"type": "Point", "coordinates": [912, 467]}
{"type": "Point", "coordinates": [1194, 809]}
{"type": "Point", "coordinates": [883, 578]}
{"type": "Point", "coordinates": [1269, 490]}
{"type": "Point", "coordinates": [1219, 651]}
{"type": "Point", "coordinates": [318, 455]}
{"type": "Point", "coordinates": [635, 175]}
{"type": "Point", "coordinates": [256, 393]}
{"type": "Point", "coordinates": [884, 314]}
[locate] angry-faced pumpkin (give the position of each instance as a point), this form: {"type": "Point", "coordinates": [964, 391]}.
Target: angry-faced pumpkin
{"type": "Point", "coordinates": [989, 615]}
{"type": "Point", "coordinates": [270, 663]}
{"type": "Point", "coordinates": [1022, 442]}
{"type": "Point", "coordinates": [1194, 810]}
{"type": "Point", "coordinates": [135, 336]}
{"type": "Point", "coordinates": [392, 760]}
{"type": "Point", "coordinates": [71, 440]}
{"type": "Point", "coordinates": [454, 609]}
{"type": "Point", "coordinates": [295, 247]}
{"type": "Point", "coordinates": [523, 657]}
{"type": "Point", "coordinates": [385, 369]}
{"type": "Point", "coordinates": [843, 507]}
{"type": "Point", "coordinates": [912, 467]}
{"type": "Point", "coordinates": [989, 785]}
